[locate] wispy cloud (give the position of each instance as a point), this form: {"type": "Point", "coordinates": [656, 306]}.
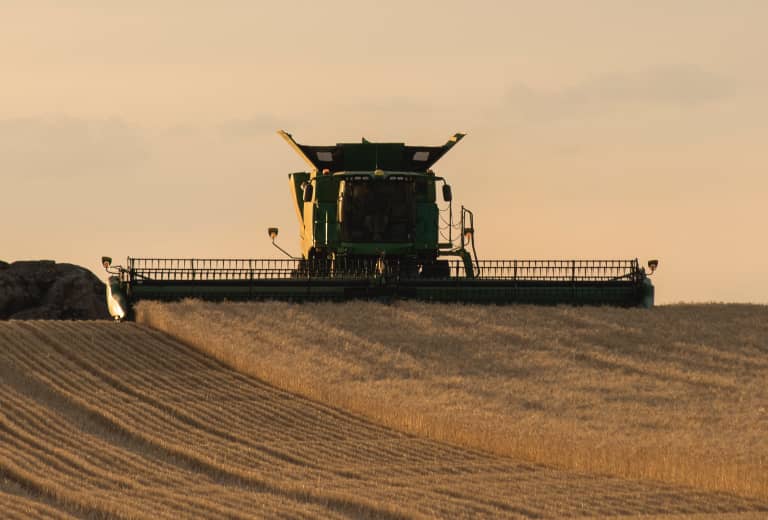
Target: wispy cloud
{"type": "Point", "coordinates": [674, 85]}
{"type": "Point", "coordinates": [67, 147]}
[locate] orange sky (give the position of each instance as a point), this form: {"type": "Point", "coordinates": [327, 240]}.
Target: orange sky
{"type": "Point", "coordinates": [605, 129]}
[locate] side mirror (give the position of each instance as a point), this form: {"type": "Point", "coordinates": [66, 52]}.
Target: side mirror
{"type": "Point", "coordinates": [653, 264]}
{"type": "Point", "coordinates": [308, 191]}
{"type": "Point", "coordinates": [106, 261]}
{"type": "Point", "coordinates": [272, 232]}
{"type": "Point", "coordinates": [447, 196]}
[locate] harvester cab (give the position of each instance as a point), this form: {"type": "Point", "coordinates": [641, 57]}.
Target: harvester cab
{"type": "Point", "coordinates": [371, 225]}
{"type": "Point", "coordinates": [364, 202]}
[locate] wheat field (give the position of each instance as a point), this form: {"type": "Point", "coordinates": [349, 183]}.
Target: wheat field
{"type": "Point", "coordinates": [104, 420]}
{"type": "Point", "coordinates": [675, 394]}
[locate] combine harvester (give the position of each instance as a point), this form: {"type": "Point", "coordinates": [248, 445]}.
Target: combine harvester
{"type": "Point", "coordinates": [370, 227]}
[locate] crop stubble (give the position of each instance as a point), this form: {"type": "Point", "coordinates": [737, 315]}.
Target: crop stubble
{"type": "Point", "coordinates": [120, 420]}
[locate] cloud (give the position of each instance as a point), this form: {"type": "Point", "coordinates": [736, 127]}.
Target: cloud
{"type": "Point", "coordinates": [668, 86]}
{"type": "Point", "coordinates": [66, 147]}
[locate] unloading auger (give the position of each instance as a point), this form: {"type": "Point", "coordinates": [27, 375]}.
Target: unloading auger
{"type": "Point", "coordinates": [370, 226]}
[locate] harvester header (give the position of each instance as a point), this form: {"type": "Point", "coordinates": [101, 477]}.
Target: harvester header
{"type": "Point", "coordinates": [372, 224]}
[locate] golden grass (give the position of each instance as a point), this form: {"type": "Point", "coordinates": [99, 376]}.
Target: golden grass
{"type": "Point", "coordinates": [676, 394]}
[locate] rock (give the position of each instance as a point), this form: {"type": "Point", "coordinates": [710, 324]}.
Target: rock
{"type": "Point", "coordinates": [44, 289]}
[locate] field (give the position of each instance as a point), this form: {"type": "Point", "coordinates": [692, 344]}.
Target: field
{"type": "Point", "coordinates": [675, 394]}
{"type": "Point", "coordinates": [120, 420]}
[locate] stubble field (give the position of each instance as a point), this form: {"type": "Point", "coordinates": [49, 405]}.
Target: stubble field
{"type": "Point", "coordinates": [102, 420]}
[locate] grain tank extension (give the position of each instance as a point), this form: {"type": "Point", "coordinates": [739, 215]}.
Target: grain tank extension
{"type": "Point", "coordinates": [375, 221]}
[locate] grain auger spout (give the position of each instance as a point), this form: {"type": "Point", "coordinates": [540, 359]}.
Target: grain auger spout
{"type": "Point", "coordinates": [375, 221]}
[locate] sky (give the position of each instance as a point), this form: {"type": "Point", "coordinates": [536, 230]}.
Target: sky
{"type": "Point", "coordinates": [596, 129]}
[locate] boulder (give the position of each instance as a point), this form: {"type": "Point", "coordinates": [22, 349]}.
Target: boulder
{"type": "Point", "coordinates": [43, 289]}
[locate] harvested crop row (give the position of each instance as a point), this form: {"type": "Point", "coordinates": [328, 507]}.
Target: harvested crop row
{"type": "Point", "coordinates": [70, 473]}
{"type": "Point", "coordinates": [57, 458]}
{"type": "Point", "coordinates": [91, 456]}
{"type": "Point", "coordinates": [121, 420]}
{"type": "Point", "coordinates": [16, 503]}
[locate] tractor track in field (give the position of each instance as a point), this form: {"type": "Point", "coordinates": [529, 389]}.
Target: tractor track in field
{"type": "Point", "coordinates": [120, 421]}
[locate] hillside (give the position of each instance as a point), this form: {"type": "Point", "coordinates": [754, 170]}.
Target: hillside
{"type": "Point", "coordinates": [104, 420]}
{"type": "Point", "coordinates": [676, 393]}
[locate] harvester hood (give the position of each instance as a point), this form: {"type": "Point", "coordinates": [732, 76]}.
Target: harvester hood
{"type": "Point", "coordinates": [368, 156]}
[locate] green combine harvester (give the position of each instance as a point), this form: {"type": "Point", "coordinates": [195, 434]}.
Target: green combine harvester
{"type": "Point", "coordinates": [370, 226]}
